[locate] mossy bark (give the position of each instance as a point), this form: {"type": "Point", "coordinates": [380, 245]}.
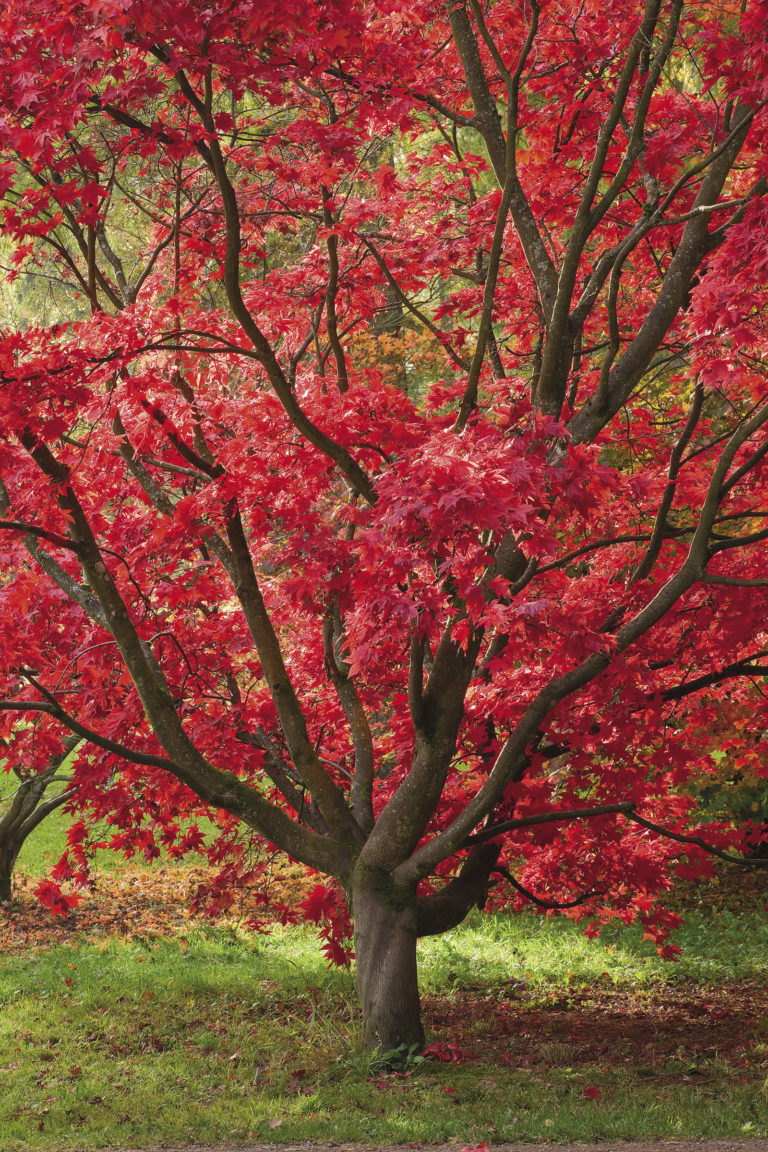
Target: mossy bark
{"type": "Point", "coordinates": [387, 978]}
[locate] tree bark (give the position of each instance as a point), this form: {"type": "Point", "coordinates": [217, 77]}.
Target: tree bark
{"type": "Point", "coordinates": [388, 921]}
{"type": "Point", "coordinates": [389, 323]}
{"type": "Point", "coordinates": [387, 979]}
{"type": "Point", "coordinates": [449, 906]}
{"type": "Point", "coordinates": [8, 854]}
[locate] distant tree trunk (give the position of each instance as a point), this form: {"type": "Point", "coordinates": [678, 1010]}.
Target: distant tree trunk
{"type": "Point", "coordinates": [389, 324]}
{"type": "Point", "coordinates": [27, 807]}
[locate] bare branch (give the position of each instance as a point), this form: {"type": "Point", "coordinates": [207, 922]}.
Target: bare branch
{"type": "Point", "coordinates": [211, 154]}
{"type": "Point", "coordinates": [459, 361]}
{"type": "Point", "coordinates": [554, 817]}
{"type": "Point", "coordinates": [552, 905]}
{"type": "Point", "coordinates": [734, 581]}
{"type": "Point", "coordinates": [743, 667]}
{"type": "Point", "coordinates": [758, 862]}
{"type": "Point", "coordinates": [487, 122]}
{"type": "Point", "coordinates": [331, 291]}
{"type": "Point", "coordinates": [361, 794]}
{"type": "Point", "coordinates": [660, 528]}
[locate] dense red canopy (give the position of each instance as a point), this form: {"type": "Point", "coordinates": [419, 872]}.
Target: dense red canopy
{"type": "Point", "coordinates": [382, 403]}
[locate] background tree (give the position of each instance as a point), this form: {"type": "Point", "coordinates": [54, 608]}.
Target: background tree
{"type": "Point", "coordinates": [27, 802]}
{"type": "Point", "coordinates": [410, 632]}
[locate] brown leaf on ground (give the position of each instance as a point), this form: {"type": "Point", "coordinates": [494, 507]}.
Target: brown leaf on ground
{"type": "Point", "coordinates": [663, 1031]}
{"type": "Point", "coordinates": [130, 903]}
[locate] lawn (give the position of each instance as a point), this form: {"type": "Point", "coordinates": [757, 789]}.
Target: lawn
{"type": "Point", "coordinates": [132, 1024]}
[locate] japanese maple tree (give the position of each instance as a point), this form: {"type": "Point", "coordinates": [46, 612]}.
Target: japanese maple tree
{"type": "Point", "coordinates": [384, 466]}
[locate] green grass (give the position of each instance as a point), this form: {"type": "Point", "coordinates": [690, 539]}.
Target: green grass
{"type": "Point", "coordinates": [44, 847]}
{"type": "Point", "coordinates": [226, 1038]}
{"type": "Point", "coordinates": [490, 950]}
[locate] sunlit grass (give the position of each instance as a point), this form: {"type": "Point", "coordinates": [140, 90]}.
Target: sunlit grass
{"type": "Point", "coordinates": [44, 847]}
{"type": "Point", "coordinates": [224, 1037]}
{"type": "Point", "coordinates": [494, 949]}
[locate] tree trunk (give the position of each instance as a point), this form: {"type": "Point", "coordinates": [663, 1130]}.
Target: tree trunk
{"type": "Point", "coordinates": [7, 860]}
{"type": "Point", "coordinates": [389, 324]}
{"type": "Point", "coordinates": [388, 922]}
{"type": "Point", "coordinates": [387, 980]}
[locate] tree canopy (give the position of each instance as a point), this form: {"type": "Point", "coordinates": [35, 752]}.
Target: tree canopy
{"type": "Point", "coordinates": [383, 407]}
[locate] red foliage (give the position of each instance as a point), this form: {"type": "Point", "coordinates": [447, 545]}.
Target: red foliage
{"type": "Point", "coordinates": [51, 896]}
{"type": "Point", "coordinates": [325, 906]}
{"type": "Point", "coordinates": [445, 1051]}
{"type": "Point", "coordinates": [369, 485]}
